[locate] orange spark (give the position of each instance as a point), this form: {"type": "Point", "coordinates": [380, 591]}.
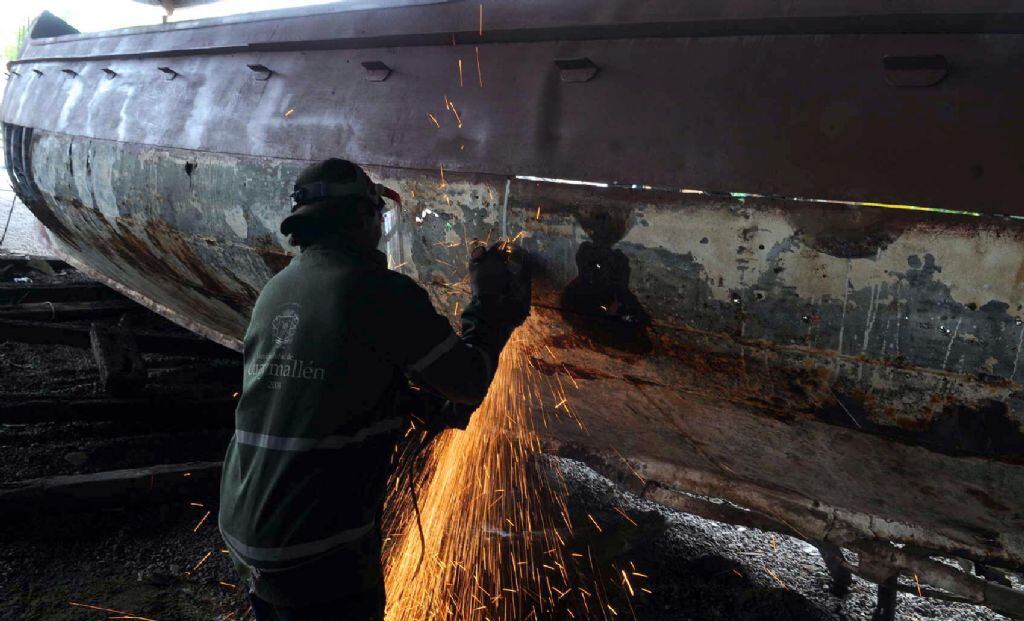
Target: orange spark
{"type": "Point", "coordinates": [918, 584]}
{"type": "Point", "coordinates": [571, 378]}
{"type": "Point", "coordinates": [628, 519]}
{"type": "Point", "coordinates": [434, 119]}
{"type": "Point", "coordinates": [289, 112]}
{"type": "Point", "coordinates": [479, 72]}
{"type": "Point", "coordinates": [625, 579]}
{"type": "Point", "coordinates": [494, 548]}
{"type": "Point", "coordinates": [458, 118]}
{"type": "Point", "coordinates": [460, 72]}
{"type": "Point", "coordinates": [129, 615]}
{"type": "Point", "coordinates": [206, 515]}
{"type": "Point", "coordinates": [481, 32]}
{"type": "Point", "coordinates": [443, 182]}
{"type": "Point", "coordinates": [776, 577]}
{"type": "Point", "coordinates": [228, 585]}
{"type": "Point", "coordinates": [537, 217]}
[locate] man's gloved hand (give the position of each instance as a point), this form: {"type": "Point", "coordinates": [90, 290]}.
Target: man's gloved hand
{"type": "Point", "coordinates": [502, 274]}
{"type": "Point", "coordinates": [451, 416]}
{"type": "Point", "coordinates": [520, 285]}
{"type": "Point", "coordinates": [431, 411]}
{"type": "Point", "coordinates": [488, 272]}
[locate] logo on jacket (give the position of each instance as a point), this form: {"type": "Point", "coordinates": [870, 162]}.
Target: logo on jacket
{"type": "Point", "coordinates": [286, 324]}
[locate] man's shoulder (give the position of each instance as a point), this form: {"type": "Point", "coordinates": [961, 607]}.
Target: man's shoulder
{"type": "Point", "coordinates": [399, 286]}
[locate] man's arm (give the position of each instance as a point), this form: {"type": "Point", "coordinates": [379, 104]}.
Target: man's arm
{"type": "Point", "coordinates": [460, 369]}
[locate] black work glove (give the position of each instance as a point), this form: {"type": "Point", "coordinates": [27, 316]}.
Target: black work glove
{"type": "Point", "coordinates": [519, 291]}
{"type": "Point", "coordinates": [431, 411]}
{"type": "Point", "coordinates": [488, 272]}
{"type": "Point", "coordinates": [501, 276]}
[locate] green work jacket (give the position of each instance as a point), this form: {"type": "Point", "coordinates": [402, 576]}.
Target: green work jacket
{"type": "Point", "coordinates": [331, 341]}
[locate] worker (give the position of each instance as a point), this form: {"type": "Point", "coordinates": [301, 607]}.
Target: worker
{"type": "Point", "coordinates": [334, 339]}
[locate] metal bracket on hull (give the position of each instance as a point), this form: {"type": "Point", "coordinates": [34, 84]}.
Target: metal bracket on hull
{"type": "Point", "coordinates": [376, 71]}
{"type": "Point", "coordinates": [170, 73]}
{"type": "Point", "coordinates": [262, 73]}
{"type": "Point", "coordinates": [915, 70]}
{"type": "Point", "coordinates": [576, 69]}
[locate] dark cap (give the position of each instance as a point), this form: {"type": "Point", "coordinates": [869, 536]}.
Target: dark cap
{"type": "Point", "coordinates": [325, 187]}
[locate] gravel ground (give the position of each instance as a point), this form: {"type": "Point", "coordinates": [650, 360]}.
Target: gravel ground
{"type": "Point", "coordinates": [733, 572]}
{"type": "Point", "coordinates": [138, 560]}
{"type": "Point", "coordinates": [142, 560]}
{"type": "Point", "coordinates": [165, 562]}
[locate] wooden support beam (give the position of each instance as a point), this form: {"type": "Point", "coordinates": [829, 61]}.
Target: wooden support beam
{"type": "Point", "coordinates": [115, 487]}
{"type": "Point", "coordinates": [117, 355]}
{"type": "Point", "coordinates": [31, 261]}
{"type": "Point", "coordinates": [211, 413]}
{"type": "Point", "coordinates": [42, 333]}
{"type": "Point", "coordinates": [878, 557]}
{"type": "Point", "coordinates": [879, 560]}
{"type": "Point", "coordinates": [62, 311]}
{"type": "Point", "coordinates": [11, 293]}
{"type": "Point", "coordinates": [712, 509]}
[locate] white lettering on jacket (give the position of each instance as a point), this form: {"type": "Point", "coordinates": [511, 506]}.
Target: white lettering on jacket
{"type": "Point", "coordinates": [280, 367]}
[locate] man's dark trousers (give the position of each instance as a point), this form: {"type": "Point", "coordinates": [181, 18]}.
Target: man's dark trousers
{"type": "Point", "coordinates": [368, 607]}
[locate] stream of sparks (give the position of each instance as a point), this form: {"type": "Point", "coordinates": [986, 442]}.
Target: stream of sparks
{"type": "Point", "coordinates": [495, 521]}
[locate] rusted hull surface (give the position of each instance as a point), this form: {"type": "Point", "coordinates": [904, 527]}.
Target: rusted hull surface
{"type": "Point", "coordinates": [849, 371]}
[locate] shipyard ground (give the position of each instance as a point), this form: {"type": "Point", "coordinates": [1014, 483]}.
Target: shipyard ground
{"type": "Point", "coordinates": [142, 558]}
{"type": "Point", "coordinates": [151, 560]}
{"type": "Point", "coordinates": [135, 560]}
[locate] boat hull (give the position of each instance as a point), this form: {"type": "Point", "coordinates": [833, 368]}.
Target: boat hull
{"type": "Point", "coordinates": [869, 364]}
{"type": "Point", "coordinates": [847, 372]}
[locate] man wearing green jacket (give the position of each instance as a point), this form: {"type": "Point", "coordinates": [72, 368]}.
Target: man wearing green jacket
{"type": "Point", "coordinates": [333, 341]}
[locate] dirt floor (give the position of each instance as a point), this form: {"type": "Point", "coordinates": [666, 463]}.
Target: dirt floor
{"type": "Point", "coordinates": [164, 559]}
{"type": "Point", "coordinates": [153, 561]}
